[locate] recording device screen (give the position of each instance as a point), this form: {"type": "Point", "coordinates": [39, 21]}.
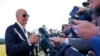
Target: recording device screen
{"type": "Point", "coordinates": [74, 10]}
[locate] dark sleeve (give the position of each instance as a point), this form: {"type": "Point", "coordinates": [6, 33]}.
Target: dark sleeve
{"type": "Point", "coordinates": [79, 44]}
{"type": "Point", "coordinates": [95, 43]}
{"type": "Point", "coordinates": [13, 47]}
{"type": "Point", "coordinates": [67, 50]}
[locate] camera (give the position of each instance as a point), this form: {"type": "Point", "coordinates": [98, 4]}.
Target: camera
{"type": "Point", "coordinates": [79, 16]}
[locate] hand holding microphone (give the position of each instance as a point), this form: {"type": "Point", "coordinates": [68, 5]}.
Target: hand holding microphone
{"type": "Point", "coordinates": [34, 38]}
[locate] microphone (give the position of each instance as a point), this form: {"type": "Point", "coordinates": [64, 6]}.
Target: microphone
{"type": "Point", "coordinates": [42, 31]}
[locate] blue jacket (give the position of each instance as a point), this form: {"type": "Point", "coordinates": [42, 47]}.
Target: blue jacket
{"type": "Point", "coordinates": [16, 42]}
{"type": "Point", "coordinates": [95, 43]}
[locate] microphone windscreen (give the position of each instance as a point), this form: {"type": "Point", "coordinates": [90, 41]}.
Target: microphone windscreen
{"type": "Point", "coordinates": [42, 31]}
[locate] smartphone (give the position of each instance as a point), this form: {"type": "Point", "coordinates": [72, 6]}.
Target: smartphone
{"type": "Point", "coordinates": [74, 10]}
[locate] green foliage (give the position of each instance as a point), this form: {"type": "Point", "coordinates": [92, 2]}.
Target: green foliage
{"type": "Point", "coordinates": [2, 43]}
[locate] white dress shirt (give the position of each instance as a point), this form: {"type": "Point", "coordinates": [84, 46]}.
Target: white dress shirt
{"type": "Point", "coordinates": [66, 41]}
{"type": "Point", "coordinates": [22, 28]}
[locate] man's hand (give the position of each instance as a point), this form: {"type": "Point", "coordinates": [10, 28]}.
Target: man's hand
{"type": "Point", "coordinates": [85, 29]}
{"type": "Point", "coordinates": [34, 38]}
{"type": "Point", "coordinates": [81, 9]}
{"type": "Point", "coordinates": [57, 39]}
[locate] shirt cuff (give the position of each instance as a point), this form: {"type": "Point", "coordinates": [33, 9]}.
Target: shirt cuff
{"type": "Point", "coordinates": [67, 41]}
{"type": "Point", "coordinates": [29, 42]}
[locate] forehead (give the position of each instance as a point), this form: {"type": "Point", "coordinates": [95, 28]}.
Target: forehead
{"type": "Point", "coordinates": [21, 11]}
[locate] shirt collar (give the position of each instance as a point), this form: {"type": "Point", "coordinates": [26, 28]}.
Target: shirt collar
{"type": "Point", "coordinates": [20, 26]}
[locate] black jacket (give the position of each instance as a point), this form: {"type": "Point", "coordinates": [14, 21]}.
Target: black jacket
{"type": "Point", "coordinates": [16, 42]}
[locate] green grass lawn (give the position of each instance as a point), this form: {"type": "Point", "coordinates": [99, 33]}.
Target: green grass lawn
{"type": "Point", "coordinates": [2, 50]}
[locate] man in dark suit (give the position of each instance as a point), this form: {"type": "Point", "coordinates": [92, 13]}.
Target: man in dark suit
{"type": "Point", "coordinates": [18, 43]}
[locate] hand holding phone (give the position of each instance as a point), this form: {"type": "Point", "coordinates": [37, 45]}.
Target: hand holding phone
{"type": "Point", "coordinates": [74, 11]}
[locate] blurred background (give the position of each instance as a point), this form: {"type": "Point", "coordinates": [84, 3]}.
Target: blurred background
{"type": "Point", "coordinates": [51, 13]}
{"type": "Point", "coordinates": [43, 13]}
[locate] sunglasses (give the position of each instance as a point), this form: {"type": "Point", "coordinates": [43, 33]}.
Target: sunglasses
{"type": "Point", "coordinates": [25, 15]}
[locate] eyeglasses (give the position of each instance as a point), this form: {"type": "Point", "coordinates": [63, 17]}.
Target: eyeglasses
{"type": "Point", "coordinates": [25, 15]}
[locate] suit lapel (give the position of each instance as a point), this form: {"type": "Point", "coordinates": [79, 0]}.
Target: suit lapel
{"type": "Point", "coordinates": [20, 31]}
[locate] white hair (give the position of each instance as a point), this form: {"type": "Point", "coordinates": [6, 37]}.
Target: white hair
{"type": "Point", "coordinates": [17, 11]}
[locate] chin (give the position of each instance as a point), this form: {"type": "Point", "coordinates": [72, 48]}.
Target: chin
{"type": "Point", "coordinates": [24, 24]}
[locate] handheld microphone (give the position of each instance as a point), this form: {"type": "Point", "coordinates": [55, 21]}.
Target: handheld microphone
{"type": "Point", "coordinates": [42, 31]}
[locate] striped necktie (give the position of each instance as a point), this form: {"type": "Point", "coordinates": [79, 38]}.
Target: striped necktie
{"type": "Point", "coordinates": [24, 30]}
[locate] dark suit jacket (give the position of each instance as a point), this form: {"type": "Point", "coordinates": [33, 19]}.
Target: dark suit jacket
{"type": "Point", "coordinates": [16, 42]}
